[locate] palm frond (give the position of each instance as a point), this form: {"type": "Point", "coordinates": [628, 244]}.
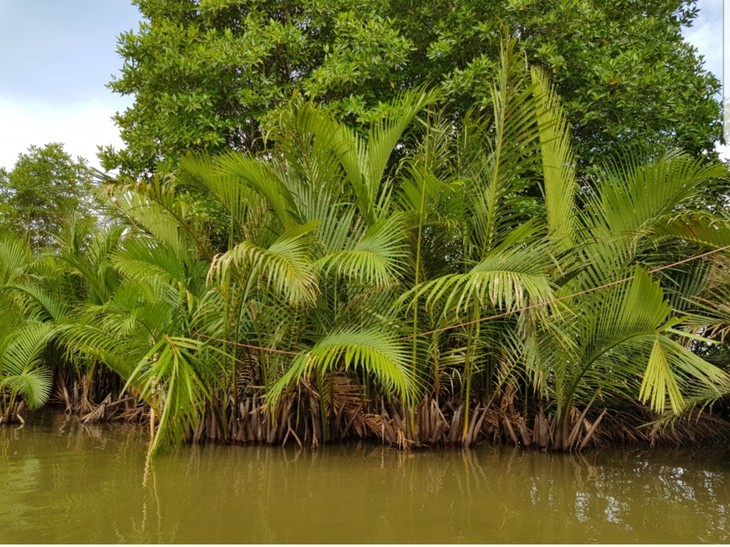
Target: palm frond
{"type": "Point", "coordinates": [15, 256]}
{"type": "Point", "coordinates": [673, 369]}
{"type": "Point", "coordinates": [41, 303]}
{"type": "Point", "coordinates": [286, 266]}
{"type": "Point", "coordinates": [633, 194]}
{"type": "Point", "coordinates": [239, 204]}
{"type": "Point", "coordinates": [373, 351]}
{"type": "Point", "coordinates": [558, 163]}
{"type": "Point", "coordinates": [365, 160]}
{"type": "Point", "coordinates": [146, 259]}
{"type": "Point", "coordinates": [505, 280]}
{"type": "Point", "coordinates": [22, 369]}
{"type": "Point", "coordinates": [116, 350]}
{"type": "Point", "coordinates": [169, 382]}
{"type": "Point", "coordinates": [513, 152]}
{"type": "Point", "coordinates": [262, 177]}
{"type": "Point", "coordinates": [377, 259]}
{"type": "Point", "coordinates": [702, 227]}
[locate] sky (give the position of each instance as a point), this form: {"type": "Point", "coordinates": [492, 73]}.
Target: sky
{"type": "Point", "coordinates": [706, 34]}
{"type": "Point", "coordinates": [56, 57]}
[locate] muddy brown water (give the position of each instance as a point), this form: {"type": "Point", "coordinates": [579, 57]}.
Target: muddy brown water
{"type": "Point", "coordinates": [61, 482]}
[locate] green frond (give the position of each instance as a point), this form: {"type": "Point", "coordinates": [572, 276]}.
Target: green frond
{"type": "Point", "coordinates": [618, 314]}
{"type": "Point", "coordinates": [515, 146]}
{"type": "Point", "coordinates": [377, 259]}
{"type": "Point", "coordinates": [503, 280]}
{"type": "Point", "coordinates": [385, 135]}
{"type": "Point", "coordinates": [640, 308]}
{"type": "Point", "coordinates": [22, 369]}
{"type": "Point", "coordinates": [86, 254]}
{"type": "Point", "coordinates": [308, 138]}
{"type": "Point", "coordinates": [260, 176]}
{"type": "Point", "coordinates": [41, 303]}
{"type": "Point", "coordinates": [425, 199]}
{"type": "Point", "coordinates": [337, 226]}
{"type": "Point", "coordinates": [365, 160]}
{"type": "Point", "coordinates": [671, 366]}
{"type": "Point", "coordinates": [169, 382]}
{"type": "Point", "coordinates": [240, 204]}
{"type": "Point", "coordinates": [144, 259]}
{"type": "Point", "coordinates": [286, 266]}
{"type": "Point", "coordinates": [558, 163]}
{"type": "Point", "coordinates": [149, 217]}
{"type": "Point", "coordinates": [15, 257]}
{"type": "Point", "coordinates": [374, 351]}
{"type": "Point", "coordinates": [116, 344]}
{"type": "Point", "coordinates": [33, 385]}
{"type": "Point", "coordinates": [701, 227]}
{"type": "Point", "coordinates": [659, 383]}
{"type": "Point", "coordinates": [634, 195]}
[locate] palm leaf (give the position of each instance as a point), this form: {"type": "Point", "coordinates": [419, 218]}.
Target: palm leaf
{"type": "Point", "coordinates": [559, 177]}
{"type": "Point", "coordinates": [285, 267]}
{"type": "Point", "coordinates": [22, 369]}
{"type": "Point", "coordinates": [505, 280]}
{"type": "Point", "coordinates": [262, 177]}
{"type": "Point", "coordinates": [169, 382]}
{"type": "Point", "coordinates": [15, 257]}
{"type": "Point", "coordinates": [634, 195]}
{"type": "Point", "coordinates": [365, 161]}
{"type": "Point", "coordinates": [377, 259]}
{"type": "Point", "coordinates": [374, 351]}
{"type": "Point", "coordinates": [673, 369]}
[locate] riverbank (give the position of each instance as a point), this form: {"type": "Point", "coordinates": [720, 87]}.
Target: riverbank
{"type": "Point", "coordinates": [303, 423]}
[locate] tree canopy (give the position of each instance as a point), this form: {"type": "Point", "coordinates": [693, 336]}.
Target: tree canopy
{"type": "Point", "coordinates": [45, 186]}
{"type": "Point", "coordinates": [206, 74]}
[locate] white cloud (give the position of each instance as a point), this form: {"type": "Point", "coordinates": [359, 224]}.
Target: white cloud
{"type": "Point", "coordinates": [79, 126]}
{"type": "Point", "coordinates": [706, 35]}
{"type": "Point", "coordinates": [724, 151]}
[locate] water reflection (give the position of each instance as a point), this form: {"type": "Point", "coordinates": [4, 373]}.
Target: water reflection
{"type": "Point", "coordinates": [63, 482]}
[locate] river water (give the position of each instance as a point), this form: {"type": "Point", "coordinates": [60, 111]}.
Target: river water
{"type": "Point", "coordinates": [61, 482]}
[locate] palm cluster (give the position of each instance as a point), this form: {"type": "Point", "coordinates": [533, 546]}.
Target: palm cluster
{"type": "Point", "coordinates": [425, 283]}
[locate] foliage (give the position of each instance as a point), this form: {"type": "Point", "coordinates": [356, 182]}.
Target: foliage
{"type": "Point", "coordinates": [208, 75]}
{"type": "Point", "coordinates": [415, 266]}
{"type": "Point", "coordinates": [23, 334]}
{"type": "Point", "coordinates": [337, 263]}
{"type": "Point", "coordinates": [44, 187]}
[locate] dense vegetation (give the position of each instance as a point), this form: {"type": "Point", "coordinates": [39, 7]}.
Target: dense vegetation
{"type": "Point", "coordinates": [205, 74]}
{"type": "Point", "coordinates": [45, 186]}
{"type": "Point", "coordinates": [423, 282]}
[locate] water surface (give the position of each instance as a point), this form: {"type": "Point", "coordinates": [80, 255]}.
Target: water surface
{"type": "Point", "coordinates": [63, 482]}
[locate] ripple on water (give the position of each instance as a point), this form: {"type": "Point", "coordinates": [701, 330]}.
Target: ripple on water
{"type": "Point", "coordinates": [63, 482]}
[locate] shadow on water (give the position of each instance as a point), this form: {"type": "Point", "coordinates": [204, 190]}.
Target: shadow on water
{"type": "Point", "coordinates": [65, 482]}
